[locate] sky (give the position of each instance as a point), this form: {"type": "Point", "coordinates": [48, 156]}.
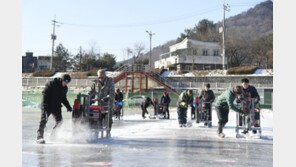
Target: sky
{"type": "Point", "coordinates": [113, 25]}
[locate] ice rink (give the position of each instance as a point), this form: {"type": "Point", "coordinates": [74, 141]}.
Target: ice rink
{"type": "Point", "coordinates": [138, 142]}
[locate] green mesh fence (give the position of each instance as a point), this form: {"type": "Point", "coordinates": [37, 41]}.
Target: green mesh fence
{"type": "Point", "coordinates": [32, 98]}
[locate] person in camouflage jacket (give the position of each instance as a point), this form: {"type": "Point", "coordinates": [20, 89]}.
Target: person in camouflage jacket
{"type": "Point", "coordinates": [102, 92]}
{"type": "Point", "coordinates": [185, 99]}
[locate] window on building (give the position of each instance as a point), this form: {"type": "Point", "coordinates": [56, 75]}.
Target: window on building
{"type": "Point", "coordinates": [194, 52]}
{"type": "Point", "coordinates": [188, 67]}
{"type": "Point", "coordinates": [205, 52]}
{"type": "Point", "coordinates": [207, 67]}
{"type": "Point", "coordinates": [216, 53]}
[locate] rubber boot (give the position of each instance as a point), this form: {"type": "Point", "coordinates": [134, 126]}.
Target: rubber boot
{"type": "Point", "coordinates": [220, 128]}
{"type": "Point", "coordinates": [40, 139]}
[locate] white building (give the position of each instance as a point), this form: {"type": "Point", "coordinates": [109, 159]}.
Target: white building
{"type": "Point", "coordinates": [192, 54]}
{"type": "Point", "coordinates": [43, 62]}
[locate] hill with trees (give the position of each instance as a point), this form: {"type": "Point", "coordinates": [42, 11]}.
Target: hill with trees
{"type": "Point", "coordinates": [248, 37]}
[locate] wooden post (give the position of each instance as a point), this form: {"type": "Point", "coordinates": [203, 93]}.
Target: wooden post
{"type": "Point", "coordinates": [125, 82]}
{"type": "Point", "coordinates": [140, 83]}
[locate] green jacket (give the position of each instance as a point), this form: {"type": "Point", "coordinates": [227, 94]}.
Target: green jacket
{"type": "Point", "coordinates": [184, 100]}
{"type": "Point", "coordinates": [225, 100]}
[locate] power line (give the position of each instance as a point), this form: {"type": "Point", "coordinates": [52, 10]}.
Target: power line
{"type": "Point", "coordinates": [182, 17]}
{"type": "Point", "coordinates": [142, 24]}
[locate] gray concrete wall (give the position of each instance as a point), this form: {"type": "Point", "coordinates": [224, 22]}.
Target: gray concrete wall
{"type": "Point", "coordinates": [225, 79]}
{"type": "Point", "coordinates": [219, 82]}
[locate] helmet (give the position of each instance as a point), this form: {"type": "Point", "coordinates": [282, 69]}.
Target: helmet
{"type": "Point", "coordinates": [164, 93]}
{"type": "Point", "coordinates": [155, 100]}
{"type": "Point", "coordinates": [66, 78]}
{"type": "Point", "coordinates": [238, 90]}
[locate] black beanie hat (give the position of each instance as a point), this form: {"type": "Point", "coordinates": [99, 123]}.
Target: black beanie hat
{"type": "Point", "coordinates": [66, 78]}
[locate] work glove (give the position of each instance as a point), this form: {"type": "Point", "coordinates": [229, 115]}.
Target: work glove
{"type": "Point", "coordinates": [243, 113]}
{"type": "Point", "coordinates": [92, 101]}
{"type": "Point", "coordinates": [105, 99]}
{"type": "Point", "coordinates": [69, 109]}
{"type": "Point", "coordinates": [183, 104]}
{"type": "Point", "coordinates": [256, 101]}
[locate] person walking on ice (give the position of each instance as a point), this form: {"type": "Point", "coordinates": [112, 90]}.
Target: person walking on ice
{"type": "Point", "coordinates": [145, 104]}
{"type": "Point", "coordinates": [223, 104]}
{"type": "Point", "coordinates": [54, 94]}
{"type": "Point", "coordinates": [102, 92]}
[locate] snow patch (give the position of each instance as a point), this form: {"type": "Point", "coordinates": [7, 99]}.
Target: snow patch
{"type": "Point", "coordinates": [264, 72]}
{"type": "Point", "coordinates": [57, 75]}
{"type": "Point", "coordinates": [190, 74]}
{"type": "Point", "coordinates": [165, 73]}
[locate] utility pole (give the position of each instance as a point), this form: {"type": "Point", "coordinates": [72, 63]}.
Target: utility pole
{"type": "Point", "coordinates": [150, 35]}
{"type": "Point", "coordinates": [129, 51]}
{"type": "Point", "coordinates": [80, 57]}
{"type": "Point", "coordinates": [53, 37]}
{"type": "Point", "coordinates": [225, 8]}
{"type": "Point", "coordinates": [193, 58]}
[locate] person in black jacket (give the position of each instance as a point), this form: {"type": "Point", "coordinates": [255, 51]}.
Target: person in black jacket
{"type": "Point", "coordinates": [54, 94]}
{"type": "Point", "coordinates": [118, 96]}
{"type": "Point", "coordinates": [208, 97]}
{"type": "Point", "coordinates": [165, 100]}
{"type": "Point", "coordinates": [249, 89]}
{"type": "Point", "coordinates": [145, 104]}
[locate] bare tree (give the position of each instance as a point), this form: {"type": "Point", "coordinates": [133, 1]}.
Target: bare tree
{"type": "Point", "coordinates": [129, 52]}
{"type": "Point", "coordinates": [93, 52]}
{"type": "Point", "coordinates": [237, 52]}
{"type": "Point", "coordinates": [138, 51]}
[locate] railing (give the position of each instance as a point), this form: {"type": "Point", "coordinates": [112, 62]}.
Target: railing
{"type": "Point", "coordinates": [161, 79]}
{"type": "Point", "coordinates": [122, 68]}
{"type": "Point", "coordinates": [132, 68]}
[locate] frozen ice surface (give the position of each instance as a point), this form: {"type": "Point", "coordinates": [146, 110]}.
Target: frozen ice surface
{"type": "Point", "coordinates": [138, 142]}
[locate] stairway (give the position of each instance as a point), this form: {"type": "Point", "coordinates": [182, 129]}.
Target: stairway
{"type": "Point", "coordinates": [119, 77]}
{"type": "Point", "coordinates": [161, 81]}
{"type": "Point", "coordinates": [152, 74]}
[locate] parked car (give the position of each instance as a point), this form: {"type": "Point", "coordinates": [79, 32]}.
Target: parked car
{"type": "Point", "coordinates": [135, 100]}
